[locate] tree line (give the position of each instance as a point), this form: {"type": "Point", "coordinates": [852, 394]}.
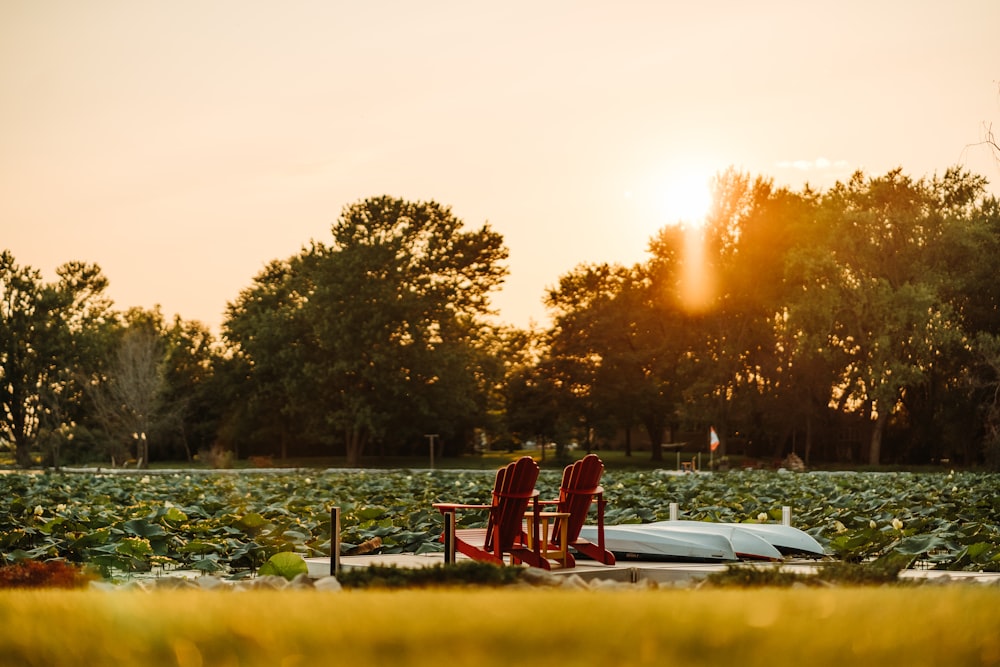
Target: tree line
{"type": "Point", "coordinates": [855, 325]}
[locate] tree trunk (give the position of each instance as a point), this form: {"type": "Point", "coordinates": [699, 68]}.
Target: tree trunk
{"type": "Point", "coordinates": [809, 439]}
{"type": "Point", "coordinates": [655, 431]}
{"type": "Point", "coordinates": [875, 452]}
{"type": "Point", "coordinates": [22, 453]}
{"type": "Point", "coordinates": [355, 444]}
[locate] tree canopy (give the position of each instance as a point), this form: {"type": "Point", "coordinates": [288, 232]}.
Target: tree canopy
{"type": "Point", "coordinates": [376, 334]}
{"type": "Point", "coordinates": [859, 324]}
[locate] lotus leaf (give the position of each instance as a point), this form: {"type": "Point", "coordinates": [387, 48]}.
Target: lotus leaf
{"type": "Point", "coordinates": [284, 564]}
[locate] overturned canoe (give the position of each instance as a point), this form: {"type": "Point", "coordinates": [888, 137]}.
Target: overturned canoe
{"type": "Point", "coordinates": [788, 540]}
{"type": "Point", "coordinates": [746, 544]}
{"type": "Point", "coordinates": [704, 541]}
{"type": "Point", "coordinates": [643, 542]}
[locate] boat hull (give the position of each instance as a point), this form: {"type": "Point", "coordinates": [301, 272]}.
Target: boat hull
{"type": "Point", "coordinates": [788, 540]}
{"type": "Point", "coordinates": [639, 542]}
{"type": "Point", "coordinates": [703, 541]}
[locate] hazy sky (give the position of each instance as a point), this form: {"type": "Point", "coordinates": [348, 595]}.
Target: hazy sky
{"type": "Point", "coordinates": [183, 145]}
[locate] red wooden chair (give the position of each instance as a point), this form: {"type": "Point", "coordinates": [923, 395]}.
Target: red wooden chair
{"type": "Point", "coordinates": [581, 487]}
{"type": "Point", "coordinates": [504, 535]}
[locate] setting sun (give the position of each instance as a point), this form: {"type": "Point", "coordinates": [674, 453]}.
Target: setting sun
{"type": "Point", "coordinates": [685, 199]}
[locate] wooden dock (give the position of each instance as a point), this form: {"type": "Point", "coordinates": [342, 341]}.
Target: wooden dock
{"type": "Point", "coordinates": [661, 573]}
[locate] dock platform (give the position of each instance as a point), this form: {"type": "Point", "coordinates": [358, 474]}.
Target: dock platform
{"type": "Point", "coordinates": [671, 574]}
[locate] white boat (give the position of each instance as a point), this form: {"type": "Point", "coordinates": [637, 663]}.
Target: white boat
{"type": "Point", "coordinates": [648, 543]}
{"type": "Point", "coordinates": [747, 545]}
{"type": "Point", "coordinates": [790, 541]}
{"type": "Point", "coordinates": [704, 541]}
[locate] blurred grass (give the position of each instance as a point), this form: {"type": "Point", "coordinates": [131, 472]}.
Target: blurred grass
{"type": "Point", "coordinates": [954, 625]}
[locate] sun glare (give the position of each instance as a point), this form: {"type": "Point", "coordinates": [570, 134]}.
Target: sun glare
{"type": "Point", "coordinates": [685, 199]}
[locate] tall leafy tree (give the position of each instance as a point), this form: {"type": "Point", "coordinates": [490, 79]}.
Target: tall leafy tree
{"type": "Point", "coordinates": [382, 322]}
{"type": "Point", "coordinates": [48, 333]}
{"type": "Point", "coordinates": [269, 398]}
{"type": "Point", "coordinates": [395, 294]}
{"type": "Point", "coordinates": [888, 317]}
{"type": "Point", "coordinates": [620, 346]}
{"type": "Point", "coordinates": [23, 353]}
{"type": "Point", "coordinates": [191, 395]}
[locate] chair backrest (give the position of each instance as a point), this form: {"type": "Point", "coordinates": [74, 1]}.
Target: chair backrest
{"type": "Point", "coordinates": [580, 481]}
{"type": "Point", "coordinates": [513, 489]}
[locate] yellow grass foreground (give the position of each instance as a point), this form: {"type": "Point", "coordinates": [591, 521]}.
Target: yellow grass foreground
{"type": "Point", "coordinates": [953, 625]}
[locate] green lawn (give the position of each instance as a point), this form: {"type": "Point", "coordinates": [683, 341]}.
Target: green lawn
{"type": "Point", "coordinates": [954, 625]}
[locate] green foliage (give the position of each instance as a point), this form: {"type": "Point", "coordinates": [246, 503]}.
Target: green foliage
{"type": "Point", "coordinates": [380, 332]}
{"type": "Point", "coordinates": [744, 576]}
{"type": "Point", "coordinates": [875, 573]}
{"type": "Point", "coordinates": [50, 338]}
{"type": "Point", "coordinates": [464, 573]}
{"type": "Point", "coordinates": [284, 564]}
{"type": "Point", "coordinates": [233, 523]}
{"type": "Point", "coordinates": [80, 382]}
{"type": "Point", "coordinates": [798, 317]}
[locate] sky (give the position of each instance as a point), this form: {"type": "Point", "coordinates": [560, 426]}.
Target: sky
{"type": "Point", "coordinates": [184, 145]}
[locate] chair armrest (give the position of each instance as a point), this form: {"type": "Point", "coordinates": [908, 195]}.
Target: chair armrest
{"type": "Point", "coordinates": [451, 507]}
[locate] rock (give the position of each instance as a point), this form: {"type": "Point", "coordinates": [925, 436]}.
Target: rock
{"type": "Point", "coordinates": [270, 582]}
{"type": "Point", "coordinates": [539, 577]}
{"type": "Point", "coordinates": [574, 581]}
{"type": "Point", "coordinates": [207, 583]}
{"type": "Point", "coordinates": [179, 583]}
{"type": "Point", "coordinates": [328, 584]}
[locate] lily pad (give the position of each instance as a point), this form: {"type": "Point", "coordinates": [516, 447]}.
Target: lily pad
{"type": "Point", "coordinates": [284, 564]}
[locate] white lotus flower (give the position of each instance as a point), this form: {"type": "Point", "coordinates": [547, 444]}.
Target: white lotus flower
{"type": "Point", "coordinates": [38, 510]}
{"type": "Point", "coordinates": [872, 524]}
{"type": "Point", "coordinates": [762, 517]}
{"type": "Point", "coordinates": [897, 524]}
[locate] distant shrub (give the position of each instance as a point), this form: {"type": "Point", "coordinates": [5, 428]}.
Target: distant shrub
{"type": "Point", "coordinates": [465, 573]}
{"type": "Point", "coordinates": [217, 457]}
{"type": "Point", "coordinates": [43, 574]}
{"type": "Point", "coordinates": [873, 573]}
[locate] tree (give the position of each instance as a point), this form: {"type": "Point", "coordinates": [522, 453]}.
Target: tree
{"type": "Point", "coordinates": [271, 396]}
{"type": "Point", "coordinates": [48, 333]}
{"type": "Point", "coordinates": [191, 397]}
{"type": "Point", "coordinates": [885, 282]}
{"type": "Point", "coordinates": [620, 345]}
{"type": "Point", "coordinates": [128, 398]}
{"type": "Point", "coordinates": [383, 322]}
{"type": "Point", "coordinates": [394, 298]}
{"type": "Point", "coordinates": [23, 348]}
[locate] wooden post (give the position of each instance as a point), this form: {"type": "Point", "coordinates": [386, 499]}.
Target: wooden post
{"type": "Point", "coordinates": [786, 516]}
{"type": "Point", "coordinates": [334, 541]}
{"type": "Point", "coordinates": [449, 538]}
{"type": "Point", "coordinates": [673, 511]}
